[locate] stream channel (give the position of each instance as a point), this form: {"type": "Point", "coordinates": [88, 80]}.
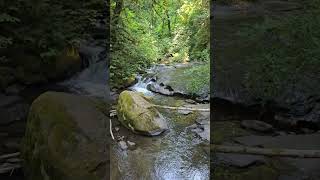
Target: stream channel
{"type": "Point", "coordinates": [182, 152]}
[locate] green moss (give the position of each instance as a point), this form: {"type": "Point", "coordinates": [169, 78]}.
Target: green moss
{"type": "Point", "coordinates": [137, 114]}
{"type": "Point", "coordinates": [51, 135]}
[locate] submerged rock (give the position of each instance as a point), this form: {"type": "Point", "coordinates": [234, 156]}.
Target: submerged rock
{"type": "Point", "coordinates": [65, 138]}
{"type": "Point", "coordinates": [136, 113]}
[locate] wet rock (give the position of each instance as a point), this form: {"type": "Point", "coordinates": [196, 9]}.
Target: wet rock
{"type": "Point", "coordinates": [123, 145]}
{"type": "Point", "coordinates": [190, 101]}
{"type": "Point", "coordinates": [203, 131]}
{"type": "Point", "coordinates": [193, 126]}
{"type": "Point", "coordinates": [173, 81]}
{"type": "Point", "coordinates": [137, 114]}
{"type": "Point", "coordinates": [202, 121]}
{"type": "Point", "coordinates": [240, 160]}
{"type": "Point", "coordinates": [257, 125]}
{"type": "Point", "coordinates": [62, 125]}
{"type": "Point", "coordinates": [160, 89]}
{"type": "Point", "coordinates": [184, 112]}
{"type": "Point", "coordinates": [131, 143]}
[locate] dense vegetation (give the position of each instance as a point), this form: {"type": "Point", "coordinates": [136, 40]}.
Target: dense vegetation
{"type": "Point", "coordinates": [39, 38]}
{"type": "Point", "coordinates": [145, 32]}
{"type": "Point", "coordinates": [286, 59]}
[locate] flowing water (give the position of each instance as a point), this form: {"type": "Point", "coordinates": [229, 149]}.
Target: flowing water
{"type": "Point", "coordinates": [176, 154]}
{"type": "Point", "coordinates": [93, 80]}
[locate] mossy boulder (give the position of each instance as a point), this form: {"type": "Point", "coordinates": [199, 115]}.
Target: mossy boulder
{"type": "Point", "coordinates": [136, 113]}
{"type": "Point", "coordinates": [65, 139]}
{"type": "Point", "coordinates": [184, 79]}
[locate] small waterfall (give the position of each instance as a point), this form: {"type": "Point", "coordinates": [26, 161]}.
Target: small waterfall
{"type": "Point", "coordinates": [141, 85]}
{"type": "Point", "coordinates": [93, 79]}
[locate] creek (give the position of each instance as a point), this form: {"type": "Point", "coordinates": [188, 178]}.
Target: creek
{"type": "Point", "coordinates": [179, 153]}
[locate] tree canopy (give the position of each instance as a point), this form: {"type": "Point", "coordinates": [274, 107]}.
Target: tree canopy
{"type": "Point", "coordinates": [144, 32]}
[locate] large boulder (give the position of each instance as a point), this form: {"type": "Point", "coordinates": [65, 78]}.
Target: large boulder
{"type": "Point", "coordinates": [136, 113]}
{"type": "Point", "coordinates": [177, 80]}
{"type": "Point", "coordinates": [65, 138]}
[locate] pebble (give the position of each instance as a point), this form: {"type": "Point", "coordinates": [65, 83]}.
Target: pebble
{"type": "Point", "coordinates": [123, 145]}
{"type": "Point", "coordinates": [184, 112]}
{"type": "Point", "coordinates": [190, 101]}
{"type": "Point", "coordinates": [131, 143]}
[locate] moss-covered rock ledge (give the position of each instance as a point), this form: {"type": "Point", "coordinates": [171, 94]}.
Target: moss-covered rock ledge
{"type": "Point", "coordinates": [65, 139]}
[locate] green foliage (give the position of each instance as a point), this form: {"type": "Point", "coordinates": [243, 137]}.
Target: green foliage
{"type": "Point", "coordinates": [199, 78]}
{"type": "Point", "coordinates": [149, 30]}
{"type": "Point", "coordinates": [42, 29]}
{"type": "Point", "coordinates": [287, 54]}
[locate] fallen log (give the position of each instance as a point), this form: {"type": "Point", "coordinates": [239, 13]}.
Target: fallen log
{"type": "Point", "coordinates": [182, 108]}
{"type": "Point", "coordinates": [266, 151]}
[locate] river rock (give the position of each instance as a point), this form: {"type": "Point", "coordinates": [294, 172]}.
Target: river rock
{"type": "Point", "coordinates": [137, 114]}
{"type": "Point", "coordinates": [131, 143]}
{"type": "Point", "coordinates": [256, 125]}
{"type": "Point", "coordinates": [184, 112]}
{"type": "Point", "coordinates": [123, 145]}
{"type": "Point", "coordinates": [160, 89]}
{"type": "Point", "coordinates": [190, 101]}
{"type": "Point", "coordinates": [65, 138]}
{"type": "Point", "coordinates": [239, 160]}
{"type": "Point", "coordinates": [174, 80]}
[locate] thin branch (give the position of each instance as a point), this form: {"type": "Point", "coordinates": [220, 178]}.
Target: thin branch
{"type": "Point", "coordinates": [181, 108]}
{"type": "Point", "coordinates": [267, 152]}
{"type": "Point", "coordinates": [111, 130]}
